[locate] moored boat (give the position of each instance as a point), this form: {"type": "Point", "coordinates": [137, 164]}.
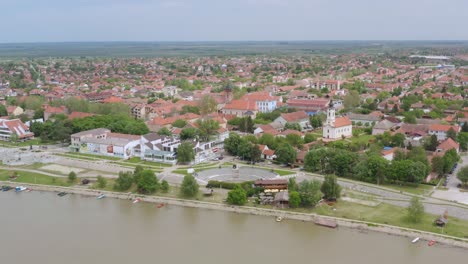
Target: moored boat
{"type": "Point", "coordinates": [20, 189]}
{"type": "Point", "coordinates": [431, 243]}
{"type": "Point", "coordinates": [279, 219]}
{"type": "Point", "coordinates": [415, 240]}
{"type": "Point", "coordinates": [101, 196]}
{"type": "Point", "coordinates": [159, 205]}
{"type": "Point", "coordinates": [61, 194]}
{"type": "Point", "coordinates": [137, 200]}
{"type": "Point", "coordinates": [6, 188]}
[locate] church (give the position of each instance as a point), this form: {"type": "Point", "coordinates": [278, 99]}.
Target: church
{"type": "Point", "coordinates": [336, 128]}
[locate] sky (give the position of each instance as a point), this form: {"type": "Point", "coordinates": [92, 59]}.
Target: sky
{"type": "Point", "coordinates": [231, 20]}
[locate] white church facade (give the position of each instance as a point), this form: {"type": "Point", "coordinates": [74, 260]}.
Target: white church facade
{"type": "Point", "coordinates": [336, 128]}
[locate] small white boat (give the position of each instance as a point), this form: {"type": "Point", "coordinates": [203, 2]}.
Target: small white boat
{"type": "Point", "coordinates": [415, 240]}
{"type": "Point", "coordinates": [100, 196]}
{"type": "Point", "coordinates": [20, 189]}
{"type": "Point", "coordinates": [279, 219]}
{"type": "Point", "coordinates": [137, 200]}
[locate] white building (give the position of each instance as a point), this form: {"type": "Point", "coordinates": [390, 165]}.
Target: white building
{"type": "Point", "coordinates": [336, 128]}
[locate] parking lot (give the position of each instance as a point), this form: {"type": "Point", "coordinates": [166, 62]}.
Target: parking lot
{"type": "Point", "coordinates": [453, 193]}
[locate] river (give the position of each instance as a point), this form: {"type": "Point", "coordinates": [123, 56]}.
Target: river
{"type": "Point", "coordinates": [42, 228]}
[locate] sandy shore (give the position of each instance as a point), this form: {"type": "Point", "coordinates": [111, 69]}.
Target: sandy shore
{"type": "Point", "coordinates": [361, 225]}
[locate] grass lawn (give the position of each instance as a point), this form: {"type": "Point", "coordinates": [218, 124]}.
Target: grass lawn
{"type": "Point", "coordinates": [420, 189]}
{"type": "Point", "coordinates": [392, 215]}
{"type": "Point", "coordinates": [136, 160]}
{"type": "Point", "coordinates": [35, 178]}
{"type": "Point", "coordinates": [91, 156]}
{"type": "Point", "coordinates": [75, 156]}
{"type": "Point", "coordinates": [284, 172]}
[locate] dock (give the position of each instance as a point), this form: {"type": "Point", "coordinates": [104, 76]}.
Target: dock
{"type": "Point", "coordinates": [326, 222]}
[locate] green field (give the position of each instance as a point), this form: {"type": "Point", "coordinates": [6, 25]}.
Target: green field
{"type": "Point", "coordinates": [35, 178]}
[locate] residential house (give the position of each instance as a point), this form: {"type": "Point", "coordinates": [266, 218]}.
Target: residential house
{"type": "Point", "coordinates": [241, 108]}
{"type": "Point", "coordinates": [447, 145]}
{"type": "Point", "coordinates": [14, 110]}
{"type": "Point", "coordinates": [49, 111]}
{"type": "Point", "coordinates": [264, 101]}
{"type": "Point", "coordinates": [383, 126]}
{"type": "Point", "coordinates": [363, 120]}
{"type": "Point", "coordinates": [310, 106]}
{"type": "Point", "coordinates": [441, 130]}
{"type": "Point", "coordinates": [300, 117]}
{"type": "Point", "coordinates": [10, 128]}
{"type": "Point", "coordinates": [267, 153]}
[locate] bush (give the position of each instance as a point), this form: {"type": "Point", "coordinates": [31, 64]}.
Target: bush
{"type": "Point", "coordinates": [72, 177]}
{"type": "Point", "coordinates": [101, 182]}
{"type": "Point", "coordinates": [189, 186]}
{"type": "Point", "coordinates": [165, 186]}
{"type": "Point", "coordinates": [124, 181]}
{"type": "Point", "coordinates": [148, 183]}
{"type": "Point", "coordinates": [247, 186]}
{"type": "Point", "coordinates": [237, 196]}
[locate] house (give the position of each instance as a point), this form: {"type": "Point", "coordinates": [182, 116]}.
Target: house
{"type": "Point", "coordinates": [267, 153]}
{"type": "Point", "coordinates": [142, 111]}
{"type": "Point", "coordinates": [336, 128]}
{"type": "Point", "coordinates": [241, 108]}
{"type": "Point", "coordinates": [309, 106]}
{"type": "Point", "coordinates": [102, 141]}
{"type": "Point", "coordinates": [383, 126]}
{"type": "Point", "coordinates": [50, 111]}
{"type": "Point", "coordinates": [266, 129]}
{"type": "Point", "coordinates": [14, 110]}
{"type": "Point", "coordinates": [264, 101]}
{"type": "Point", "coordinates": [282, 199]}
{"type": "Point", "coordinates": [9, 128]}
{"type": "Point", "coordinates": [363, 120]}
{"type": "Point", "coordinates": [300, 117]}
{"type": "Point", "coordinates": [447, 145]}
{"type": "Point", "coordinates": [441, 130]}
{"type": "Point", "coordinates": [272, 185]}
{"type": "Point", "coordinates": [154, 147]}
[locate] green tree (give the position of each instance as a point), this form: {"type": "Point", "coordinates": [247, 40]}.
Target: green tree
{"type": "Point", "coordinates": [207, 128]}
{"type": "Point", "coordinates": [207, 104]}
{"type": "Point", "coordinates": [309, 138]}
{"type": "Point", "coordinates": [438, 165]}
{"type": "Point", "coordinates": [164, 132]}
{"type": "Point", "coordinates": [165, 186]}
{"type": "Point", "coordinates": [352, 99]}
{"type": "Point", "coordinates": [292, 185]}
{"type": "Point", "coordinates": [465, 127]}
{"type": "Point", "coordinates": [432, 143]}
{"type": "Point", "coordinates": [185, 152]}
{"type": "Point", "coordinates": [310, 193]}
{"type": "Point", "coordinates": [294, 199]}
{"type": "Point", "coordinates": [101, 182]}
{"type": "Point", "coordinates": [237, 196]}
{"type": "Point", "coordinates": [452, 134]}
{"type": "Point", "coordinates": [255, 153]}
{"type": "Point", "coordinates": [180, 123]}
{"type": "Point", "coordinates": [124, 181]}
{"type": "Point", "coordinates": [189, 187]}
{"type": "Point", "coordinates": [148, 183]}
{"type": "Point", "coordinates": [72, 176]}
{"type": "Point", "coordinates": [415, 210]}
{"type": "Point", "coordinates": [137, 173]}
{"type": "Point", "coordinates": [330, 187]}
{"type": "Point", "coordinates": [286, 154]}
{"type": "Point", "coordinates": [188, 133]}
{"type": "Point", "coordinates": [462, 175]}
{"type": "Point", "coordinates": [3, 110]}
{"type": "Point", "coordinates": [231, 144]}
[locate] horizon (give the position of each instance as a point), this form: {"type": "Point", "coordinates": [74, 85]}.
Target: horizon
{"type": "Point", "coordinates": [243, 20]}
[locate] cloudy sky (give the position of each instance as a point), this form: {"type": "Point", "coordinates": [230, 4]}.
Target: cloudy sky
{"type": "Point", "coordinates": [226, 20]}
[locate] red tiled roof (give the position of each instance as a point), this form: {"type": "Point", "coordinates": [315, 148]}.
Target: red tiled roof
{"type": "Point", "coordinates": [439, 127]}
{"type": "Point", "coordinates": [448, 144]}
{"type": "Point", "coordinates": [241, 105]}
{"type": "Point", "coordinates": [342, 121]}
{"type": "Point", "coordinates": [295, 116]}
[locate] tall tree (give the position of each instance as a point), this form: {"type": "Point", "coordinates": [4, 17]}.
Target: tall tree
{"type": "Point", "coordinates": [330, 187]}
{"type": "Point", "coordinates": [462, 175]}
{"type": "Point", "coordinates": [452, 134]}
{"type": "Point", "coordinates": [189, 187]}
{"type": "Point", "coordinates": [207, 128]}
{"type": "Point", "coordinates": [185, 152]}
{"type": "Point", "coordinates": [432, 143]}
{"type": "Point", "coordinates": [415, 210]}
{"type": "Point", "coordinates": [237, 196]}
{"type": "Point", "coordinates": [207, 104]}
{"type": "Point", "coordinates": [286, 154]}
{"type": "Point", "coordinates": [148, 183]}
{"type": "Point", "coordinates": [310, 193]}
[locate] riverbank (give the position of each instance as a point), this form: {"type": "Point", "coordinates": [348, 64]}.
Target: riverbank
{"type": "Point", "coordinates": [309, 217]}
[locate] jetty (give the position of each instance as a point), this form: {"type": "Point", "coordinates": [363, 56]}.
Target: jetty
{"type": "Point", "coordinates": [326, 222]}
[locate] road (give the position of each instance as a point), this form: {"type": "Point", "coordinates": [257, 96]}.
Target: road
{"type": "Point", "coordinates": [453, 193]}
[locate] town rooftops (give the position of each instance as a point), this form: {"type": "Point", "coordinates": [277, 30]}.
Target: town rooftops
{"type": "Point", "coordinates": [448, 144]}
{"type": "Point", "coordinates": [92, 132]}
{"type": "Point", "coordinates": [445, 128]}
{"type": "Point", "coordinates": [16, 126]}
{"type": "Point", "coordinates": [241, 105]}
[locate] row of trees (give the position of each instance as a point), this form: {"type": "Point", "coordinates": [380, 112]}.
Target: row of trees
{"type": "Point", "coordinates": [372, 167]}
{"type": "Point", "coordinates": [145, 180]}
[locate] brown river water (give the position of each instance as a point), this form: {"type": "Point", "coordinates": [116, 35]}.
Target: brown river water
{"type": "Point", "coordinates": [42, 228]}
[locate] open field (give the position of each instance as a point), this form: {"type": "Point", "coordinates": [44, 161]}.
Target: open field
{"type": "Point", "coordinates": [35, 178]}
